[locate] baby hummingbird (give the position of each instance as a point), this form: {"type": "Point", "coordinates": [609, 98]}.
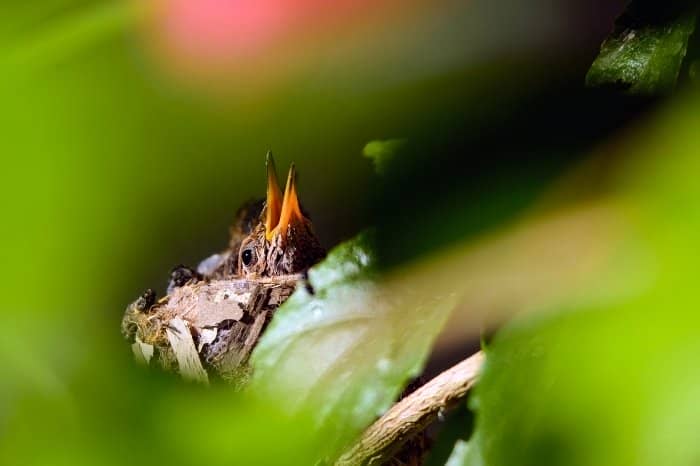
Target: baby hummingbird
{"type": "Point", "coordinates": [284, 241]}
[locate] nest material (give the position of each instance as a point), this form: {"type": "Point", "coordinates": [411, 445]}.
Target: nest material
{"type": "Point", "coordinates": [206, 329]}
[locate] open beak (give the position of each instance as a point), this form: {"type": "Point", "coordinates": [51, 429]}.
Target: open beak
{"type": "Point", "coordinates": [274, 197]}
{"type": "Point", "coordinates": [291, 211]}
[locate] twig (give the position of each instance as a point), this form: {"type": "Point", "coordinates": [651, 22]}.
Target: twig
{"type": "Point", "coordinates": [413, 414]}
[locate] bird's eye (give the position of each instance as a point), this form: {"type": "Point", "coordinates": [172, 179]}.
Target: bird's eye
{"type": "Point", "coordinates": [247, 256]}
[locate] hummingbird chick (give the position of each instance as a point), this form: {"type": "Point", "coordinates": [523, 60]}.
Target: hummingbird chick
{"type": "Point", "coordinates": [283, 242]}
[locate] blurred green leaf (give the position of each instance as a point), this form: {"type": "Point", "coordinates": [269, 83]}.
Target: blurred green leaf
{"type": "Point", "coordinates": [645, 52]}
{"type": "Point", "coordinates": [345, 351]}
{"type": "Point", "coordinates": [559, 391]}
{"type": "Point", "coordinates": [614, 383]}
{"type": "Point", "coordinates": [67, 36]}
{"type": "Point", "coordinates": [382, 152]}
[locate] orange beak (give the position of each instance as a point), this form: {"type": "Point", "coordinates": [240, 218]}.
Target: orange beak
{"type": "Point", "coordinates": [274, 197]}
{"type": "Point", "coordinates": [291, 210]}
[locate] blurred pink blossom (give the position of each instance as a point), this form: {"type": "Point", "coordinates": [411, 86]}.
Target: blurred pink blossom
{"type": "Point", "coordinates": [220, 33]}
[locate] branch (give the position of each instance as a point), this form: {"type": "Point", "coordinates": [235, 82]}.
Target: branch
{"type": "Point", "coordinates": [413, 414]}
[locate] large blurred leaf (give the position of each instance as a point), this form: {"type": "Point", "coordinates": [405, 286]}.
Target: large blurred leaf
{"type": "Point", "coordinates": [645, 52]}
{"type": "Point", "coordinates": [346, 350]}
{"type": "Point", "coordinates": [614, 383]}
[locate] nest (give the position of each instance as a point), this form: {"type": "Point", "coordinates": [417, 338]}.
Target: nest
{"type": "Point", "coordinates": [205, 329]}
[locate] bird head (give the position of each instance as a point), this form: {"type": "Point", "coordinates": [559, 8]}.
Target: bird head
{"type": "Point", "coordinates": [284, 241]}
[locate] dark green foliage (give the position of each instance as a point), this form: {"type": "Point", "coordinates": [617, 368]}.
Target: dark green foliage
{"type": "Point", "coordinates": [645, 52]}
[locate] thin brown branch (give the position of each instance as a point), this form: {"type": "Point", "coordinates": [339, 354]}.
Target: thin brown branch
{"type": "Point", "coordinates": [413, 414]}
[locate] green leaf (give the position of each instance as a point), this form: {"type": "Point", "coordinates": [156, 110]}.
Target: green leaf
{"type": "Point", "coordinates": [346, 351]}
{"type": "Point", "coordinates": [613, 383]}
{"type": "Point", "coordinates": [593, 388]}
{"type": "Point", "coordinates": [645, 52]}
{"type": "Point", "coordinates": [69, 35]}
{"type": "Point", "coordinates": [382, 152]}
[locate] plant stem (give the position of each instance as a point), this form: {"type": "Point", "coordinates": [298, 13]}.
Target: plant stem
{"type": "Point", "coordinates": [413, 414]}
